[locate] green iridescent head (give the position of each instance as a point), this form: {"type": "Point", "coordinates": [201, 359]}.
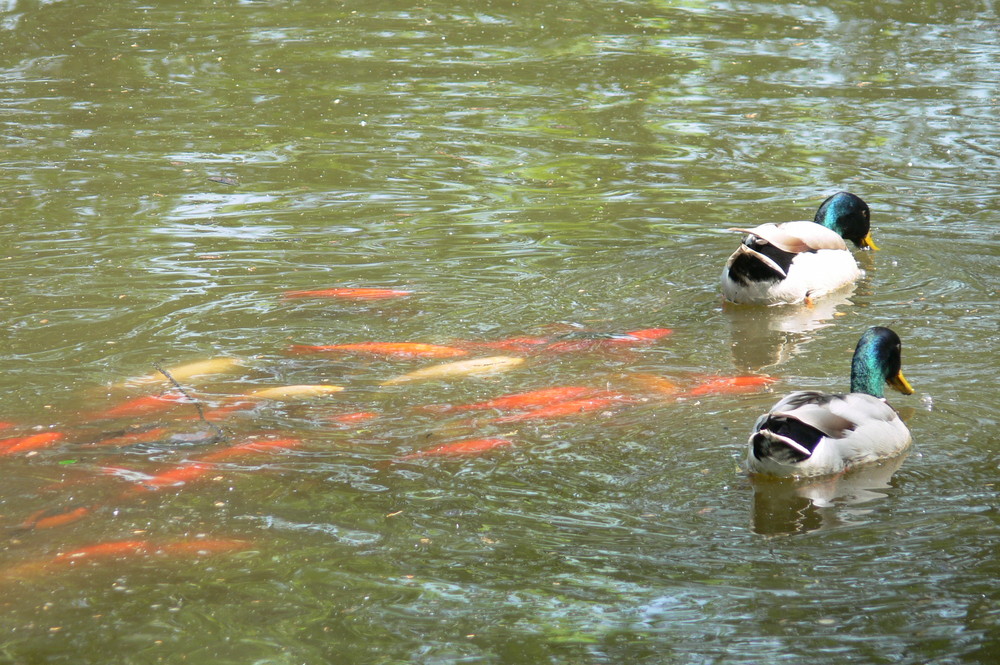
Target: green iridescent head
{"type": "Point", "coordinates": [877, 361]}
{"type": "Point", "coordinates": [849, 216]}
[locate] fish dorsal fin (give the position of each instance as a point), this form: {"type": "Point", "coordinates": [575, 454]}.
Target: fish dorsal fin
{"type": "Point", "coordinates": [797, 237]}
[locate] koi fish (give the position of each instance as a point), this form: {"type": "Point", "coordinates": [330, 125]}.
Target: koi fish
{"type": "Point", "coordinates": [530, 399]}
{"type": "Point", "coordinates": [126, 548]}
{"type": "Point", "coordinates": [252, 446]}
{"type": "Point", "coordinates": [649, 334]}
{"type": "Point", "coordinates": [5, 425]}
{"type": "Point", "coordinates": [388, 349]}
{"type": "Point", "coordinates": [349, 294]}
{"type": "Point", "coordinates": [711, 385]}
{"type": "Point", "coordinates": [201, 466]}
{"type": "Point", "coordinates": [656, 384]}
{"type": "Point", "coordinates": [356, 417]}
{"type": "Point", "coordinates": [488, 365]}
{"type": "Point", "coordinates": [466, 447]}
{"type": "Point", "coordinates": [19, 444]}
{"type": "Point", "coordinates": [295, 392]}
{"type": "Point", "coordinates": [179, 475]}
{"type": "Point", "coordinates": [568, 408]}
{"type": "Point", "coordinates": [586, 341]}
{"type": "Point", "coordinates": [48, 519]}
{"type": "Point", "coordinates": [143, 406]}
{"type": "Point", "coordinates": [190, 370]}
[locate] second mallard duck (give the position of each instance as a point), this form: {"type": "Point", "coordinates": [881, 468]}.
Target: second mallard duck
{"type": "Point", "coordinates": [811, 433]}
{"type": "Point", "coordinates": [796, 261]}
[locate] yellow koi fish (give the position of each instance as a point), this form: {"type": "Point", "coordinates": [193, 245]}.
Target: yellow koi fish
{"type": "Point", "coordinates": [460, 368]}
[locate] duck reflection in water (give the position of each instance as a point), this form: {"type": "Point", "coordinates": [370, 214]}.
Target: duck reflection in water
{"type": "Point", "coordinates": [787, 505]}
{"type": "Point", "coordinates": [769, 336]}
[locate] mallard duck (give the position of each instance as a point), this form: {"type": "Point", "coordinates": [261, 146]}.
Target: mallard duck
{"type": "Point", "coordinates": [812, 433]}
{"type": "Point", "coordinates": [780, 264]}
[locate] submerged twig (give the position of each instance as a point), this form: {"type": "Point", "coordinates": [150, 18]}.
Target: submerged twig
{"type": "Point", "coordinates": [197, 405]}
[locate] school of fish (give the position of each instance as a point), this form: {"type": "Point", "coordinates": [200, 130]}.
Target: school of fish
{"type": "Point", "coordinates": [165, 410]}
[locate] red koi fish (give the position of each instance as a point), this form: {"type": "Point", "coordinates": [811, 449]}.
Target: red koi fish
{"type": "Point", "coordinates": [201, 466]}
{"type": "Point", "coordinates": [569, 408]}
{"type": "Point", "coordinates": [179, 475]}
{"type": "Point", "coordinates": [656, 384]}
{"type": "Point", "coordinates": [356, 417]}
{"type": "Point", "coordinates": [125, 549]}
{"type": "Point", "coordinates": [5, 425]}
{"type": "Point", "coordinates": [349, 294]}
{"type": "Point", "coordinates": [143, 406]}
{"type": "Point", "coordinates": [389, 349]}
{"type": "Point", "coordinates": [19, 444]}
{"type": "Point", "coordinates": [48, 518]}
{"type": "Point", "coordinates": [253, 446]}
{"type": "Point", "coordinates": [130, 547]}
{"type": "Point", "coordinates": [466, 447]}
{"type": "Point", "coordinates": [586, 341]}
{"type": "Point", "coordinates": [647, 334]}
{"type": "Point", "coordinates": [530, 399]}
{"type": "Point", "coordinates": [712, 385]}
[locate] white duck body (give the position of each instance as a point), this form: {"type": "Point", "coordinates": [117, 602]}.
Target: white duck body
{"type": "Point", "coordinates": [788, 264]}
{"type": "Point", "coordinates": [842, 431]}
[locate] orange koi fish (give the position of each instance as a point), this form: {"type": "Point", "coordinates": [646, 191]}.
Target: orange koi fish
{"type": "Point", "coordinates": [466, 447]}
{"type": "Point", "coordinates": [349, 294]}
{"type": "Point", "coordinates": [656, 384]}
{"type": "Point", "coordinates": [647, 334]}
{"type": "Point", "coordinates": [129, 547]}
{"type": "Point", "coordinates": [530, 399]}
{"type": "Point", "coordinates": [389, 349]}
{"type": "Point", "coordinates": [586, 341]}
{"type": "Point", "coordinates": [252, 446]}
{"type": "Point", "coordinates": [356, 417]}
{"type": "Point", "coordinates": [179, 475]}
{"type": "Point", "coordinates": [201, 466]}
{"type": "Point", "coordinates": [19, 444]}
{"type": "Point", "coordinates": [5, 425]}
{"type": "Point", "coordinates": [143, 406]}
{"type": "Point", "coordinates": [569, 408]}
{"type": "Point", "coordinates": [126, 548]}
{"type": "Point", "coordinates": [712, 385]}
{"type": "Point", "coordinates": [48, 519]}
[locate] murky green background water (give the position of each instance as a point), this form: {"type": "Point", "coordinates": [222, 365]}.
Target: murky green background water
{"type": "Point", "coordinates": [169, 169]}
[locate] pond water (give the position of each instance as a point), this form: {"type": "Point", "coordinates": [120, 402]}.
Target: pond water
{"type": "Point", "coordinates": [554, 171]}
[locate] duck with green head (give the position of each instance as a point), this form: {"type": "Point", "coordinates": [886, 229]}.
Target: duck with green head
{"type": "Point", "coordinates": [795, 262]}
{"type": "Point", "coordinates": [812, 433]}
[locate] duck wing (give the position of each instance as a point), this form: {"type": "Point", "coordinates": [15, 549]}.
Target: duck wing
{"type": "Point", "coordinates": [836, 416]}
{"type": "Point", "coordinates": [797, 237]}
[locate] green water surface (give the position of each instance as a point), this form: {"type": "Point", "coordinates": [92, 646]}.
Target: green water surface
{"type": "Point", "coordinates": [169, 169]}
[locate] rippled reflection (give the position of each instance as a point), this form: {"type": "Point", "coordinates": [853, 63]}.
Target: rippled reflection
{"type": "Point", "coordinates": [786, 506]}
